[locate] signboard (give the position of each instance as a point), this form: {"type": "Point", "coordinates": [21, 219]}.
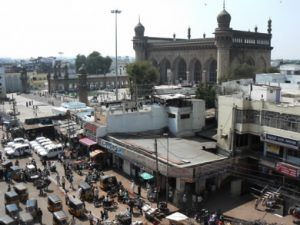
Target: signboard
{"type": "Point", "coordinates": [287, 169]}
{"type": "Point", "coordinates": [90, 130]}
{"type": "Point", "coordinates": [275, 149]}
{"type": "Point", "coordinates": [282, 140]}
{"type": "Point", "coordinates": [112, 147]}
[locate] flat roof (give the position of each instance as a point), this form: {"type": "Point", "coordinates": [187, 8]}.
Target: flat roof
{"type": "Point", "coordinates": [183, 152]}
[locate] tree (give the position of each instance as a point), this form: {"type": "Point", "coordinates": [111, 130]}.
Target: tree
{"type": "Point", "coordinates": [95, 63]}
{"type": "Point", "coordinates": [207, 92]}
{"type": "Point", "coordinates": [80, 59]}
{"type": "Point", "coordinates": [142, 77]}
{"type": "Point", "coordinates": [242, 71]}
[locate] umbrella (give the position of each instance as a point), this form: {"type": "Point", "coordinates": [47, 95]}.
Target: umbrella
{"type": "Point", "coordinates": [177, 216]}
{"type": "Point", "coordinates": [146, 176]}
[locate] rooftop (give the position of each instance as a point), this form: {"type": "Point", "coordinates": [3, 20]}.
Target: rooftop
{"type": "Point", "coordinates": [185, 152]}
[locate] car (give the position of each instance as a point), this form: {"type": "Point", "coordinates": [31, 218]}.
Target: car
{"type": "Point", "coordinates": [52, 151]}
{"type": "Point", "coordinates": [16, 141]}
{"type": "Point", "coordinates": [21, 150]}
{"type": "Point", "coordinates": [39, 138]}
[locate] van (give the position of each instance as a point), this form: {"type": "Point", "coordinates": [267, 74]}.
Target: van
{"type": "Point", "coordinates": [52, 151]}
{"type": "Point", "coordinates": [19, 150]}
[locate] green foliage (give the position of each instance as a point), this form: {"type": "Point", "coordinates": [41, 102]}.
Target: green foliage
{"type": "Point", "coordinates": [142, 75]}
{"type": "Point", "coordinates": [241, 71]}
{"type": "Point", "coordinates": [207, 92]}
{"type": "Point", "coordinates": [95, 63]}
{"type": "Point", "coordinates": [271, 70]}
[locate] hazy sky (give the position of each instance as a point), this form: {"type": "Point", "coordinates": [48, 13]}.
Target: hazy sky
{"type": "Point", "coordinates": [47, 27]}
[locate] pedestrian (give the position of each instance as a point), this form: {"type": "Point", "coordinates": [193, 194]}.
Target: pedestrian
{"type": "Point", "coordinates": [102, 215]}
{"type": "Point", "coordinates": [132, 187]}
{"type": "Point", "coordinates": [8, 187]}
{"type": "Point", "coordinates": [131, 204]}
{"type": "Point", "coordinates": [67, 200]}
{"type": "Point", "coordinates": [98, 222]}
{"type": "Point", "coordinates": [139, 190]}
{"type": "Point", "coordinates": [17, 163]}
{"type": "Point", "coordinates": [63, 182]}
{"type": "Point", "coordinates": [79, 193]}
{"type": "Point", "coordinates": [91, 218]}
{"type": "Point", "coordinates": [257, 201]}
{"type": "Point", "coordinates": [105, 214]}
{"type": "Point", "coordinates": [184, 200]}
{"type": "Point", "coordinates": [73, 221]}
{"type": "Point", "coordinates": [96, 194]}
{"type": "Point", "coordinates": [57, 179]}
{"type": "Point", "coordinates": [71, 182]}
{"type": "Point", "coordinates": [40, 215]}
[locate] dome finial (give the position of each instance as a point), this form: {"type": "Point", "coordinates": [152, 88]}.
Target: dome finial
{"type": "Point", "coordinates": [139, 18]}
{"type": "Point", "coordinates": [224, 4]}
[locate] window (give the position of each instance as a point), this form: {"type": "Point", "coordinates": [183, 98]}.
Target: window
{"type": "Point", "coordinates": [171, 115]}
{"type": "Point", "coordinates": [184, 116]}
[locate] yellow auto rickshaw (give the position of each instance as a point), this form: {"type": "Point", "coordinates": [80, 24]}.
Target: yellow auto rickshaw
{"type": "Point", "coordinates": [76, 207]}
{"type": "Point", "coordinates": [86, 191]}
{"type": "Point", "coordinates": [11, 197]}
{"type": "Point", "coordinates": [54, 203]}
{"type": "Point", "coordinates": [60, 218]}
{"type": "Point", "coordinates": [22, 192]}
{"type": "Point", "coordinates": [108, 182]}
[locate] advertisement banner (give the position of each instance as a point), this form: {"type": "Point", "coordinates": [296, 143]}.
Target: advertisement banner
{"type": "Point", "coordinates": [287, 169]}
{"type": "Point", "coordinates": [275, 149]}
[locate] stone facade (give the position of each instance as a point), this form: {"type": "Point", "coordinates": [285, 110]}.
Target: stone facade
{"type": "Point", "coordinates": [204, 60]}
{"type": "Point", "coordinates": [61, 79]}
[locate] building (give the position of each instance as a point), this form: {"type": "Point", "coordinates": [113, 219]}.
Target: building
{"type": "Point", "coordinates": [263, 133]}
{"type": "Point", "coordinates": [207, 59]}
{"type": "Point", "coordinates": [2, 84]}
{"type": "Point", "coordinates": [64, 79]}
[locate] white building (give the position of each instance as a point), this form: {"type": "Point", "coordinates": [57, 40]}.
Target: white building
{"type": "Point", "coordinates": [264, 132]}
{"type": "Point", "coordinates": [183, 117]}
{"type": "Point", "coordinates": [2, 83]}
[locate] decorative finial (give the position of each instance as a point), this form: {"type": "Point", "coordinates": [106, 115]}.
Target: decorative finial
{"type": "Point", "coordinates": [174, 37]}
{"type": "Point", "coordinates": [139, 19]}
{"type": "Point", "coordinates": [269, 26]}
{"type": "Point", "coordinates": [255, 28]}
{"type": "Point", "coordinates": [204, 35]}
{"type": "Point", "coordinates": [224, 4]}
{"type": "Point", "coordinates": [189, 33]}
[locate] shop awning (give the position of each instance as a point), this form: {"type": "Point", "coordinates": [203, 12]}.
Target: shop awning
{"type": "Point", "coordinates": [86, 141]}
{"type": "Point", "coordinates": [177, 216]}
{"type": "Point", "coordinates": [146, 176]}
{"type": "Point", "coordinates": [95, 153]}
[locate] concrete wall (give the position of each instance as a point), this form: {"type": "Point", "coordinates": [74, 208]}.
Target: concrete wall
{"type": "Point", "coordinates": [154, 119]}
{"type": "Point", "coordinates": [2, 83]}
{"type": "Point", "coordinates": [13, 83]}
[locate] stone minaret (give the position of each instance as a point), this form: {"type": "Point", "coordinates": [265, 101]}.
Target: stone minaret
{"type": "Point", "coordinates": [66, 78]}
{"type": "Point", "coordinates": [24, 80]}
{"type": "Point", "coordinates": [223, 41]}
{"type": "Point", "coordinates": [82, 85]}
{"type": "Point", "coordinates": [139, 42]}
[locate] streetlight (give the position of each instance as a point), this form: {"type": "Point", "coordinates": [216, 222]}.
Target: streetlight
{"type": "Point", "coordinates": [116, 12]}
{"type": "Point", "coordinates": [167, 175]}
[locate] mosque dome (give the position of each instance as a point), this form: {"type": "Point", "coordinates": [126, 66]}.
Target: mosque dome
{"type": "Point", "coordinates": [139, 29]}
{"type": "Point", "coordinates": [224, 19]}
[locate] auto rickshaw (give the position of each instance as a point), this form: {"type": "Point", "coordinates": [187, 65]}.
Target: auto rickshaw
{"type": "Point", "coordinates": [86, 191]}
{"type": "Point", "coordinates": [12, 210]}
{"type": "Point", "coordinates": [31, 173]}
{"type": "Point", "coordinates": [7, 220]}
{"type": "Point", "coordinates": [7, 164]}
{"type": "Point", "coordinates": [54, 203]}
{"type": "Point", "coordinates": [15, 173]}
{"type": "Point", "coordinates": [11, 197]}
{"type": "Point", "coordinates": [76, 207]}
{"type": "Point", "coordinates": [26, 219]}
{"type": "Point", "coordinates": [108, 182]}
{"type": "Point", "coordinates": [22, 192]}
{"type": "Point", "coordinates": [32, 207]}
{"type": "Point", "coordinates": [60, 218]}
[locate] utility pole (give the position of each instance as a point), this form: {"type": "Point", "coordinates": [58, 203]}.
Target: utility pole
{"type": "Point", "coordinates": [155, 147]}
{"type": "Point", "coordinates": [167, 175]}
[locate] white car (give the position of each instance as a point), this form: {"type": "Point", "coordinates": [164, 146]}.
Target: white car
{"type": "Point", "coordinates": [22, 149]}
{"type": "Point", "coordinates": [39, 150]}
{"type": "Point", "coordinates": [12, 147]}
{"type": "Point", "coordinates": [17, 141]}
{"type": "Point", "coordinates": [39, 138]}
{"type": "Point", "coordinates": [46, 143]}
{"type": "Point", "coordinates": [52, 151]}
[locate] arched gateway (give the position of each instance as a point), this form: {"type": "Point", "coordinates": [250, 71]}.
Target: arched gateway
{"type": "Point", "coordinates": [204, 60]}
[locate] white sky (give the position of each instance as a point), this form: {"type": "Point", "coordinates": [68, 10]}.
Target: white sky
{"type": "Point", "coordinates": [31, 28]}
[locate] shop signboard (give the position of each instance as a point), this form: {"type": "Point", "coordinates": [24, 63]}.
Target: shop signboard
{"type": "Point", "coordinates": [275, 149]}
{"type": "Point", "coordinates": [287, 169]}
{"type": "Point", "coordinates": [291, 143]}
{"type": "Point", "coordinates": [112, 147]}
{"type": "Point", "coordinates": [90, 130]}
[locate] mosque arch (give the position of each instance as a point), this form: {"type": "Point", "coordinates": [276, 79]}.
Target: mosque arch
{"type": "Point", "coordinates": [195, 69]}
{"type": "Point", "coordinates": [164, 67]}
